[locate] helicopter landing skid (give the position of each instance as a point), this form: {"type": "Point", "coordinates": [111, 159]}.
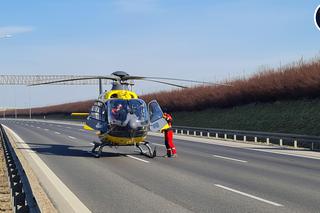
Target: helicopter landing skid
{"type": "Point", "coordinates": [98, 146]}
{"type": "Point", "coordinates": [149, 153]}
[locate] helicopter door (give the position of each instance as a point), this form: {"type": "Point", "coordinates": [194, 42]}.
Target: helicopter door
{"type": "Point", "coordinates": [157, 121]}
{"type": "Point", "coordinates": [97, 117]}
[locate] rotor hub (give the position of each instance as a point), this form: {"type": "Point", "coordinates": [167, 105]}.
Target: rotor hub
{"type": "Point", "coordinates": [120, 74]}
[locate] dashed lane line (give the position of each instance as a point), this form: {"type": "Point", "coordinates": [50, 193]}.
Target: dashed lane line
{"type": "Point", "coordinates": [157, 144]}
{"type": "Point", "coordinates": [227, 158]}
{"type": "Point", "coordinates": [139, 159]}
{"type": "Point", "coordinates": [249, 195]}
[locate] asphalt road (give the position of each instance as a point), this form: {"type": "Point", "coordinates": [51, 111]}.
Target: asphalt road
{"type": "Point", "coordinates": [203, 178]}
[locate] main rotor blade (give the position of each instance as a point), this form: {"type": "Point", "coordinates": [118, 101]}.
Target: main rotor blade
{"type": "Point", "coordinates": [162, 82]}
{"type": "Point", "coordinates": [77, 79]}
{"type": "Point", "coordinates": [173, 79]}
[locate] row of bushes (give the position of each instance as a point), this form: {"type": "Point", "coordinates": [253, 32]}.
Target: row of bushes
{"type": "Point", "coordinates": [295, 81]}
{"type": "Point", "coordinates": [299, 80]}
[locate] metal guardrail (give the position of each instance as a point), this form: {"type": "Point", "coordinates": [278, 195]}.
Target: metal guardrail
{"type": "Point", "coordinates": [281, 139]}
{"type": "Point", "coordinates": [22, 197]}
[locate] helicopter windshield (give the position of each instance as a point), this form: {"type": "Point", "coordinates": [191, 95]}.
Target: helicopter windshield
{"type": "Point", "coordinates": [121, 112]}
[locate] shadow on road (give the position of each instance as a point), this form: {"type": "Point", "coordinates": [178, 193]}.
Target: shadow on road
{"type": "Point", "coordinates": [67, 150]}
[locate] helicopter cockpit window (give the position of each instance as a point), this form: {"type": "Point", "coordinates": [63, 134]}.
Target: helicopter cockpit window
{"type": "Point", "coordinates": [98, 111]}
{"type": "Point", "coordinates": [155, 111]}
{"type": "Point", "coordinates": [138, 108]}
{"type": "Point", "coordinates": [117, 111]}
{"type": "Point", "coordinates": [157, 121]}
{"type": "Point", "coordinates": [121, 112]}
{"type": "Point", "coordinates": [97, 117]}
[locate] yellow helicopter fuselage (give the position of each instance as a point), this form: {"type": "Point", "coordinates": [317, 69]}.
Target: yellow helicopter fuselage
{"type": "Point", "coordinates": [110, 137]}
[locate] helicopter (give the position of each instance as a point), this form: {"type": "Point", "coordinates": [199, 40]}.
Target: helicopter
{"type": "Point", "coordinates": [119, 116]}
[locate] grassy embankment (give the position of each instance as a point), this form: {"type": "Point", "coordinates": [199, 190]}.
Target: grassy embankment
{"type": "Point", "coordinates": [298, 117]}
{"type": "Point", "coordinates": [278, 100]}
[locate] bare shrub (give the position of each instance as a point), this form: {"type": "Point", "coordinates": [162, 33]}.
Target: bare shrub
{"type": "Point", "coordinates": [295, 81]}
{"type": "Point", "coordinates": [299, 80]}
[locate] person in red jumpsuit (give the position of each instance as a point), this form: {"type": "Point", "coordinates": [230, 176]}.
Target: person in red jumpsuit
{"type": "Point", "coordinates": [168, 137]}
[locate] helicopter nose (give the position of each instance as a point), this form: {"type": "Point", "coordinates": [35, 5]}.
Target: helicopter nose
{"type": "Point", "coordinates": [133, 123]}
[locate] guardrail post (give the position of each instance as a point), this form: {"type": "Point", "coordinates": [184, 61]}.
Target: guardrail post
{"type": "Point", "coordinates": [250, 136]}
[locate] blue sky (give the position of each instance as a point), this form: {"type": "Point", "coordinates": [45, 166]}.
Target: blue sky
{"type": "Point", "coordinates": [199, 40]}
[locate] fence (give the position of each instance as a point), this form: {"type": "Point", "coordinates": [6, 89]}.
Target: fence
{"type": "Point", "coordinates": [281, 139]}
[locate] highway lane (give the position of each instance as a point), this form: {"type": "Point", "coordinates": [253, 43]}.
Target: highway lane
{"type": "Point", "coordinates": [204, 177]}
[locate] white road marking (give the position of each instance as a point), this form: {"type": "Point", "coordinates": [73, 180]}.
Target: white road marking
{"type": "Point", "coordinates": [282, 153]}
{"type": "Point", "coordinates": [248, 195]}
{"type": "Point", "coordinates": [130, 156]}
{"type": "Point", "coordinates": [68, 127]}
{"type": "Point", "coordinates": [247, 146]}
{"type": "Point", "coordinates": [71, 137]}
{"type": "Point", "coordinates": [58, 133]}
{"type": "Point", "coordinates": [38, 127]}
{"type": "Point", "coordinates": [46, 129]}
{"type": "Point", "coordinates": [212, 141]}
{"type": "Point", "coordinates": [73, 201]}
{"type": "Point", "coordinates": [157, 144]}
{"type": "Point", "coordinates": [227, 158]}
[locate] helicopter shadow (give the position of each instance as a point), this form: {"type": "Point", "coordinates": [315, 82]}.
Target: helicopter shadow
{"type": "Point", "coordinates": [67, 150]}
